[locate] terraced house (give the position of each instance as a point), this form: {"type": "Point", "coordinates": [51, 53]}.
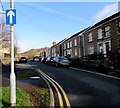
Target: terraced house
{"type": "Point", "coordinates": [103, 37]}
{"type": "Point", "coordinates": [102, 40]}
{"type": "Point", "coordinates": [4, 54]}
{"type": "Point", "coordinates": [74, 45]}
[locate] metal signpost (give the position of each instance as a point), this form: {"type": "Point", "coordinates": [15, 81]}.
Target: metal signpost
{"type": "Point", "coordinates": [11, 16]}
{"type": "Point", "coordinates": [11, 20]}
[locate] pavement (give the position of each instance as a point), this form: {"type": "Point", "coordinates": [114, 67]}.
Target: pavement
{"type": "Point", "coordinates": [98, 69]}
{"type": "Point", "coordinates": [28, 81]}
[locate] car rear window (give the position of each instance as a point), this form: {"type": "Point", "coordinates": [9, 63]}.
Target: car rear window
{"type": "Point", "coordinates": [23, 57]}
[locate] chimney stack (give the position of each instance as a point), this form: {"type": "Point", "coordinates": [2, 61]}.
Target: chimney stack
{"type": "Point", "coordinates": [54, 43]}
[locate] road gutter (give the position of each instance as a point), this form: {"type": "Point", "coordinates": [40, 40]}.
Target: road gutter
{"type": "Point", "coordinates": [51, 94]}
{"type": "Point", "coordinates": [64, 94]}
{"type": "Point", "coordinates": [52, 101]}
{"type": "Point", "coordinates": [55, 84]}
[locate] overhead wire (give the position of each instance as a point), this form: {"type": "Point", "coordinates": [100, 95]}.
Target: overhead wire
{"type": "Point", "coordinates": [30, 19]}
{"type": "Point", "coordinates": [56, 16]}
{"type": "Point", "coordinates": [37, 23]}
{"type": "Point", "coordinates": [2, 5]}
{"type": "Point", "coordinates": [52, 32]}
{"type": "Point", "coordinates": [52, 15]}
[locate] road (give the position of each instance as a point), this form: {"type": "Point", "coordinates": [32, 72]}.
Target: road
{"type": "Point", "coordinates": [84, 89]}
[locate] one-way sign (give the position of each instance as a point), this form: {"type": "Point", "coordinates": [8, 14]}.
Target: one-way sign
{"type": "Point", "coordinates": [11, 16]}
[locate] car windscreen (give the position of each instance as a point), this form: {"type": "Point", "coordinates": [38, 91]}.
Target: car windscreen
{"type": "Point", "coordinates": [63, 58]}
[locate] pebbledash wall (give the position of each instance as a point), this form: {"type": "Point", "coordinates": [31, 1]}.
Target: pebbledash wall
{"type": "Point", "coordinates": [101, 38]}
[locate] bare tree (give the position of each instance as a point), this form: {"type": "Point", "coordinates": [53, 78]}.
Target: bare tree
{"type": "Point", "coordinates": [5, 35]}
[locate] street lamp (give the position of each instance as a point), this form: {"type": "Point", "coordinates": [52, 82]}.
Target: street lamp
{"type": "Point", "coordinates": [12, 75]}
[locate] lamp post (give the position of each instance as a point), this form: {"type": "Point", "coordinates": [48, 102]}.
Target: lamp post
{"type": "Point", "coordinates": [12, 75]}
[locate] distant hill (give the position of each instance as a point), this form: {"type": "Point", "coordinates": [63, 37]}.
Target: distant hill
{"type": "Point", "coordinates": [31, 53]}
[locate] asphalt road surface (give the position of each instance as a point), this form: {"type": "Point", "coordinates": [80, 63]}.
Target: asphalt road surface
{"type": "Point", "coordinates": [84, 89]}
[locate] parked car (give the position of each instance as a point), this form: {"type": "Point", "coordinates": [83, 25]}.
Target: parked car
{"type": "Point", "coordinates": [60, 61]}
{"type": "Point", "coordinates": [23, 60]}
{"type": "Point", "coordinates": [43, 59]}
{"type": "Point", "coordinates": [37, 59]}
{"type": "Point", "coordinates": [49, 60]}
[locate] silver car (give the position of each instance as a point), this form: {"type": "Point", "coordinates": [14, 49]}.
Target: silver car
{"type": "Point", "coordinates": [61, 61]}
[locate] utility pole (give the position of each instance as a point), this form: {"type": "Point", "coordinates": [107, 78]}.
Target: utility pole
{"type": "Point", "coordinates": [12, 75]}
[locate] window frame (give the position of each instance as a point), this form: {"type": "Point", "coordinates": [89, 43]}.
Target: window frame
{"type": "Point", "coordinates": [100, 33]}
{"type": "Point", "coordinates": [90, 37]}
{"type": "Point", "coordinates": [75, 51]}
{"type": "Point", "coordinates": [70, 44]}
{"type": "Point", "coordinates": [64, 45]}
{"type": "Point", "coordinates": [89, 50]}
{"type": "Point", "coordinates": [107, 30]}
{"type": "Point", "coordinates": [75, 42]}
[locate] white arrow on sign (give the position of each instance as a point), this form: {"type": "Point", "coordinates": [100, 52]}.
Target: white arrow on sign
{"type": "Point", "coordinates": [11, 14]}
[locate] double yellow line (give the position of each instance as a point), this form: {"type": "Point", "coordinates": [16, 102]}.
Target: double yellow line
{"type": "Point", "coordinates": [56, 86]}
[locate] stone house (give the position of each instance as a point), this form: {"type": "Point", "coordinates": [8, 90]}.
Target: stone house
{"type": "Point", "coordinates": [5, 55]}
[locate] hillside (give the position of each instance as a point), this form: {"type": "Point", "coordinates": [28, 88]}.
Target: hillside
{"type": "Point", "coordinates": [31, 53]}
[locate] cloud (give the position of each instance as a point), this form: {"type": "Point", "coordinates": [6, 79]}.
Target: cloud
{"type": "Point", "coordinates": [106, 11]}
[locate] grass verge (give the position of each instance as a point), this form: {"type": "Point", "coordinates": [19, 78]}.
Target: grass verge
{"type": "Point", "coordinates": [22, 98]}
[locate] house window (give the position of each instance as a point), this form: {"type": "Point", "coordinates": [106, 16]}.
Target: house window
{"type": "Point", "coordinates": [64, 53]}
{"type": "Point", "coordinates": [107, 31]}
{"type": "Point", "coordinates": [106, 47]}
{"type": "Point", "coordinates": [91, 50]}
{"type": "Point", "coordinates": [75, 42]}
{"type": "Point", "coordinates": [68, 52]}
{"type": "Point", "coordinates": [100, 48]}
{"type": "Point", "coordinates": [75, 52]}
{"type": "Point", "coordinates": [90, 37]}
{"type": "Point", "coordinates": [119, 27]}
{"type": "Point", "coordinates": [71, 52]}
{"type": "Point", "coordinates": [64, 45]}
{"type": "Point", "coordinates": [54, 49]}
{"type": "Point", "coordinates": [99, 33]}
{"type": "Point", "coordinates": [70, 44]}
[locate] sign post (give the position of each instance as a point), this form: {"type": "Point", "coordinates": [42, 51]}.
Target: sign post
{"type": "Point", "coordinates": [11, 16]}
{"type": "Point", "coordinates": [11, 20]}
